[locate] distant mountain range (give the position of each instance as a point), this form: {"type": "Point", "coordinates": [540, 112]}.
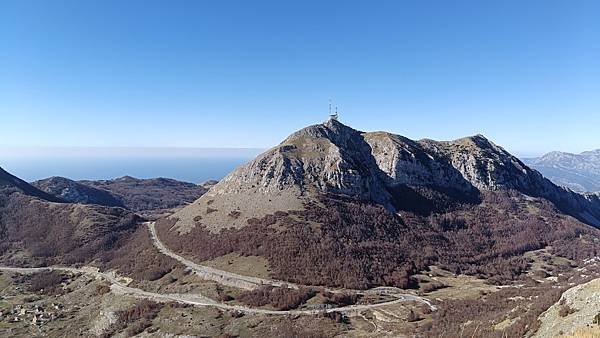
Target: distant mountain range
{"type": "Point", "coordinates": [579, 172]}
{"type": "Point", "coordinates": [140, 195]}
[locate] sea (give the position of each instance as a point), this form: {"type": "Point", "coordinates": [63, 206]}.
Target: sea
{"type": "Point", "coordinates": [186, 168]}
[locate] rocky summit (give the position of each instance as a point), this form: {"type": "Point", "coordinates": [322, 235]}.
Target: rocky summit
{"type": "Point", "coordinates": [381, 167]}
{"type": "Point", "coordinates": [334, 206]}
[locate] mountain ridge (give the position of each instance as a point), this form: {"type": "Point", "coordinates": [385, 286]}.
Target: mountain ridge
{"type": "Point", "coordinates": [332, 158]}
{"type": "Point", "coordinates": [76, 192]}
{"type": "Point", "coordinates": [11, 182]}
{"type": "Point", "coordinates": [334, 206]}
{"type": "Point", "coordinates": [147, 196]}
{"type": "Point", "coordinates": [579, 172]}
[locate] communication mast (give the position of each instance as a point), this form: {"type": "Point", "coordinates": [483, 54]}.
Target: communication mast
{"type": "Point", "coordinates": [333, 116]}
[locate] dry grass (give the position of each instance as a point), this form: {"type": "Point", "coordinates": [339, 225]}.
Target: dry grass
{"type": "Point", "coordinates": [587, 332]}
{"type": "Point", "coordinates": [254, 266]}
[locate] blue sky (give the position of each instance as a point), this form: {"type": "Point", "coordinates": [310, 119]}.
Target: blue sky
{"type": "Point", "coordinates": [247, 73]}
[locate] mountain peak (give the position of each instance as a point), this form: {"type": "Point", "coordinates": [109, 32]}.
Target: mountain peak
{"type": "Point", "coordinates": [331, 129]}
{"type": "Point", "coordinates": [334, 159]}
{"type": "Point", "coordinates": [579, 172]}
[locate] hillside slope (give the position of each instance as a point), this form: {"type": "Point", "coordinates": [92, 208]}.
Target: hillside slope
{"type": "Point", "coordinates": [149, 194]}
{"type": "Point", "coordinates": [10, 183]}
{"type": "Point", "coordinates": [76, 192]}
{"type": "Point", "coordinates": [390, 170]}
{"type": "Point", "coordinates": [36, 230]}
{"type": "Point", "coordinates": [332, 205]}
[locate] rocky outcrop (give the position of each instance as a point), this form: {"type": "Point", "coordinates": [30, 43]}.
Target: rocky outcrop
{"type": "Point", "coordinates": [75, 192]}
{"type": "Point", "coordinates": [332, 158]}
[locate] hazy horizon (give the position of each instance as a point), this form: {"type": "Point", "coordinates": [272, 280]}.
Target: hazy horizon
{"type": "Point", "coordinates": [186, 152]}
{"type": "Point", "coordinates": [194, 165]}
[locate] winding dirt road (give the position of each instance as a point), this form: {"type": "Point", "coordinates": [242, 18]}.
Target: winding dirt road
{"type": "Point", "coordinates": [119, 286]}
{"type": "Point", "coordinates": [250, 283]}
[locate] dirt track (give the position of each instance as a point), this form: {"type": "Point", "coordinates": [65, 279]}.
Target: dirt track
{"type": "Point", "coordinates": [247, 282]}
{"type": "Point", "coordinates": [119, 286]}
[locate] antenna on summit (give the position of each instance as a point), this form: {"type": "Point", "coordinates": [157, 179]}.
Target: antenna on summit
{"type": "Point", "coordinates": [333, 116]}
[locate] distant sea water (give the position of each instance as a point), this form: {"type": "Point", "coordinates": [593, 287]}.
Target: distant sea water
{"type": "Point", "coordinates": [186, 168]}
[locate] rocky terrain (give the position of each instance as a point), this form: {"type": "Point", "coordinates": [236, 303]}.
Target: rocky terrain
{"type": "Point", "coordinates": [380, 167]}
{"type": "Point", "coordinates": [578, 308]}
{"type": "Point", "coordinates": [579, 172]}
{"type": "Point", "coordinates": [334, 232]}
{"type": "Point", "coordinates": [150, 194]}
{"type": "Point", "coordinates": [333, 206]}
{"type": "Point", "coordinates": [75, 192]}
{"type": "Point", "coordinates": [146, 196]}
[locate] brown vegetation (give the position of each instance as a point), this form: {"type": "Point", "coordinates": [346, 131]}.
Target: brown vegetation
{"type": "Point", "coordinates": [565, 310]}
{"type": "Point", "coordinates": [413, 316]}
{"type": "Point", "coordinates": [102, 289]}
{"type": "Point", "coordinates": [432, 286]}
{"type": "Point", "coordinates": [137, 257]}
{"type": "Point", "coordinates": [281, 298]}
{"type": "Point", "coordinates": [359, 244]}
{"type": "Point", "coordinates": [54, 233]}
{"type": "Point", "coordinates": [521, 305]}
{"type": "Point", "coordinates": [47, 283]}
{"type": "Point", "coordinates": [135, 319]}
{"type": "Point", "coordinates": [150, 194]}
{"type": "Point", "coordinates": [67, 234]}
{"type": "Point", "coordinates": [341, 299]}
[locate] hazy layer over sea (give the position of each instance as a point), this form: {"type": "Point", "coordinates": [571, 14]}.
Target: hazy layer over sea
{"type": "Point", "coordinates": [194, 165]}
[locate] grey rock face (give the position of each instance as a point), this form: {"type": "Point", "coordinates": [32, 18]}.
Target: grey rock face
{"type": "Point", "coordinates": [334, 158]}
{"type": "Point", "coordinates": [75, 192]}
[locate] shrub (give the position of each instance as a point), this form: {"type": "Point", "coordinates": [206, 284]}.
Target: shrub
{"type": "Point", "coordinates": [565, 310]}
{"type": "Point", "coordinates": [350, 243]}
{"type": "Point", "coordinates": [412, 317]}
{"type": "Point", "coordinates": [432, 286]}
{"type": "Point", "coordinates": [235, 214]}
{"type": "Point", "coordinates": [340, 299]}
{"type": "Point", "coordinates": [281, 298]}
{"type": "Point", "coordinates": [135, 319]}
{"type": "Point", "coordinates": [138, 257]}
{"type": "Point", "coordinates": [102, 289]}
{"type": "Point", "coordinates": [46, 282]}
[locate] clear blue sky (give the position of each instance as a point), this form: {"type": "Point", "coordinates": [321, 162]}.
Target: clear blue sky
{"type": "Point", "coordinates": [247, 73]}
